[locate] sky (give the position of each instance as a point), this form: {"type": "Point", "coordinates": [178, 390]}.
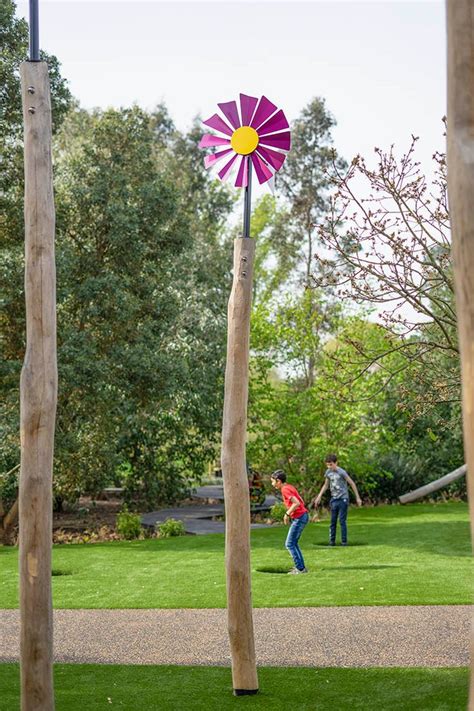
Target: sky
{"type": "Point", "coordinates": [379, 65]}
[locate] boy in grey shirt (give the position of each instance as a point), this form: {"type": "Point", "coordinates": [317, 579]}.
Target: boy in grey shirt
{"type": "Point", "coordinates": [337, 479]}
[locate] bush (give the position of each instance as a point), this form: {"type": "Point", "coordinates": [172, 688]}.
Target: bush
{"type": "Point", "coordinates": [129, 525]}
{"type": "Point", "coordinates": [170, 528]}
{"type": "Point", "coordinates": [277, 512]}
{"type": "Point", "coordinates": [154, 485]}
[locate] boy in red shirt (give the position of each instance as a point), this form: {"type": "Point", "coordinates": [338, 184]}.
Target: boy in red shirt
{"type": "Point", "coordinates": [297, 514]}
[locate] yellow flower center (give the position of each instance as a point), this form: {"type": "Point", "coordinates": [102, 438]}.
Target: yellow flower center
{"type": "Point", "coordinates": [244, 140]}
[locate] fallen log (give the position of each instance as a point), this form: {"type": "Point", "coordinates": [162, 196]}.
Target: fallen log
{"type": "Point", "coordinates": [433, 485]}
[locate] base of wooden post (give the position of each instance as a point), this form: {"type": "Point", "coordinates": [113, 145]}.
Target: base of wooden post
{"type": "Point", "coordinates": [245, 692]}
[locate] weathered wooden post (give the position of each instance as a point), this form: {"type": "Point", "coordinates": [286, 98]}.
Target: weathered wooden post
{"type": "Point", "coordinates": [245, 148]}
{"type": "Point", "coordinates": [234, 468]}
{"type": "Point", "coordinates": [460, 28]}
{"type": "Point", "coordinates": [38, 389]}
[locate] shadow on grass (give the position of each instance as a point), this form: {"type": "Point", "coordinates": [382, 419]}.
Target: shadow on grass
{"type": "Point", "coordinates": [359, 567]}
{"type": "Point", "coordinates": [273, 569]}
{"type": "Point", "coordinates": [449, 538]}
{"type": "Point", "coordinates": [352, 544]}
{"type": "Point", "coordinates": [56, 572]}
{"type": "Point", "coordinates": [207, 542]}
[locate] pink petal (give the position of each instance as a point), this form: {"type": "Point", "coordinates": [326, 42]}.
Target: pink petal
{"type": "Point", "coordinates": [209, 140]}
{"type": "Point", "coordinates": [265, 109]}
{"type": "Point", "coordinates": [262, 170]}
{"type": "Point", "coordinates": [242, 176]}
{"type": "Point", "coordinates": [275, 159]}
{"type": "Point", "coordinates": [247, 107]}
{"type": "Point", "coordinates": [225, 171]}
{"type": "Point", "coordinates": [209, 160]}
{"type": "Point", "coordinates": [230, 112]}
{"type": "Point", "coordinates": [276, 123]}
{"type": "Point", "coordinates": [278, 140]}
{"type": "Point", "coordinates": [218, 124]}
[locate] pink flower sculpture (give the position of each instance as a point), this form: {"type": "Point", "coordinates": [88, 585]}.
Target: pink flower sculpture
{"type": "Point", "coordinates": [258, 134]}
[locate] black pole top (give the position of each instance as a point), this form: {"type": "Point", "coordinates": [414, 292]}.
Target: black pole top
{"type": "Point", "coordinates": [34, 31]}
{"type": "Point", "coordinates": [248, 200]}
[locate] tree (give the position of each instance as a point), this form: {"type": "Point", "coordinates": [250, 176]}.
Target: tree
{"type": "Point", "coordinates": [305, 182]}
{"type": "Point", "coordinates": [180, 438]}
{"type": "Point", "coordinates": [141, 319]}
{"type": "Point", "coordinates": [288, 238]}
{"type": "Point", "coordinates": [392, 248]}
{"type": "Point", "coordinates": [295, 425]}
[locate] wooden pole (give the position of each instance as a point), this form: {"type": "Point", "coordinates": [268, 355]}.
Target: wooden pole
{"type": "Point", "coordinates": [433, 485]}
{"type": "Point", "coordinates": [38, 394]}
{"type": "Point", "coordinates": [460, 158]}
{"type": "Point", "coordinates": [234, 472]}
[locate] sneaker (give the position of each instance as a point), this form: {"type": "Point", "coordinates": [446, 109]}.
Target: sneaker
{"type": "Point", "coordinates": [331, 545]}
{"type": "Point", "coordinates": [295, 571]}
{"type": "Point", "coordinates": [344, 544]}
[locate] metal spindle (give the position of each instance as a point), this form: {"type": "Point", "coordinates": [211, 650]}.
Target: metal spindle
{"type": "Point", "coordinates": [248, 199]}
{"type": "Point", "coordinates": [34, 31]}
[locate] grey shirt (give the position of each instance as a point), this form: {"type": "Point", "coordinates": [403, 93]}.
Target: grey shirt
{"type": "Point", "coordinates": [338, 483]}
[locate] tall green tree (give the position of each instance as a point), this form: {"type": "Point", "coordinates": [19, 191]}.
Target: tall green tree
{"type": "Point", "coordinates": [295, 425]}
{"type": "Point", "coordinates": [141, 308]}
{"type": "Point", "coordinates": [286, 228]}
{"type": "Point", "coordinates": [305, 181]}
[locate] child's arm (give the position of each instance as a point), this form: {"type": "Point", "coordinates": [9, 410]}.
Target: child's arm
{"type": "Point", "coordinates": [320, 495]}
{"type": "Point", "coordinates": [354, 489]}
{"type": "Point", "coordinates": [294, 505]}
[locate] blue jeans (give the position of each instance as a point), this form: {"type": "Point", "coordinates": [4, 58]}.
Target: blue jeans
{"type": "Point", "coordinates": [291, 543]}
{"type": "Point", "coordinates": [339, 508]}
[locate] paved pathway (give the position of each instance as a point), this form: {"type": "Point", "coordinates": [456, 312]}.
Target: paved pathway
{"type": "Point", "coordinates": [334, 636]}
{"type": "Point", "coordinates": [197, 518]}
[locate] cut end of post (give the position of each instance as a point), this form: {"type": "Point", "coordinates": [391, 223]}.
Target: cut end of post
{"type": "Point", "coordinates": [245, 692]}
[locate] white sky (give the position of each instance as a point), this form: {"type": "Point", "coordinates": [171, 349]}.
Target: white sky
{"type": "Point", "coordinates": [379, 65]}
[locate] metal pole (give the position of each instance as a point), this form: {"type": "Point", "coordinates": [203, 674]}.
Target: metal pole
{"type": "Point", "coordinates": [248, 199]}
{"type": "Point", "coordinates": [34, 31]}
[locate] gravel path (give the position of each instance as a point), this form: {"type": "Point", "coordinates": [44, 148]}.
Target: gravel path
{"type": "Point", "coordinates": [421, 636]}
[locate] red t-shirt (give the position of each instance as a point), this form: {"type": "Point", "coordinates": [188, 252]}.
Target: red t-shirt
{"type": "Point", "coordinates": [287, 490]}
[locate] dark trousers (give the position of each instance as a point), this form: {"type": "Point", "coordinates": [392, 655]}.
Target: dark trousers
{"type": "Point", "coordinates": [339, 508]}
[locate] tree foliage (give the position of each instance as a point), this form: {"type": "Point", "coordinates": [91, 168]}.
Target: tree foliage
{"type": "Point", "coordinates": [142, 283]}
{"type": "Point", "coordinates": [386, 243]}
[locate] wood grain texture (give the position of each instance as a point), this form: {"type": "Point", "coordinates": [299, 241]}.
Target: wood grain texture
{"type": "Point", "coordinates": [38, 397]}
{"type": "Point", "coordinates": [236, 489]}
{"type": "Point", "coordinates": [460, 158]}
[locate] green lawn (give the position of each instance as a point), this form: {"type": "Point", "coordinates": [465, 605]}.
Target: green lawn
{"type": "Point", "coordinates": [140, 688]}
{"type": "Point", "coordinates": [418, 554]}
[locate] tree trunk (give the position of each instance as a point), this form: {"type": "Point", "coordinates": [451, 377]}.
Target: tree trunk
{"type": "Point", "coordinates": [38, 395]}
{"type": "Point", "coordinates": [433, 485]}
{"type": "Point", "coordinates": [234, 472]}
{"type": "Point", "coordinates": [460, 27]}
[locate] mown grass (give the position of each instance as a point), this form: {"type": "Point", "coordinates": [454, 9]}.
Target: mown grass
{"type": "Point", "coordinates": [418, 554]}
{"type": "Point", "coordinates": [172, 688]}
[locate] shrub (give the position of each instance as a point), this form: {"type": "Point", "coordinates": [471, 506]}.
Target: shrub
{"type": "Point", "coordinates": [170, 527]}
{"type": "Point", "coordinates": [277, 512]}
{"type": "Point", "coordinates": [129, 525]}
